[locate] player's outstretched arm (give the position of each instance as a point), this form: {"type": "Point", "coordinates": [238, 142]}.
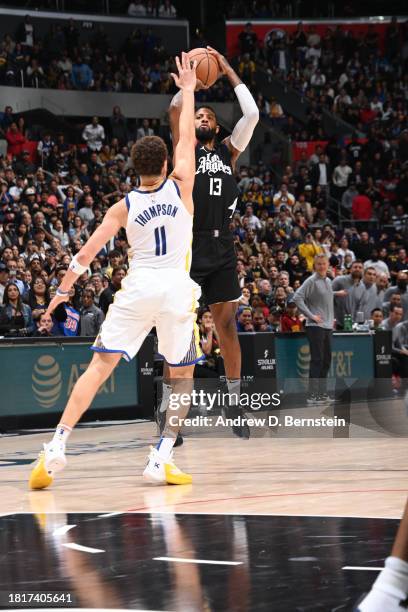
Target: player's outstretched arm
{"type": "Point", "coordinates": [184, 153]}
{"type": "Point", "coordinates": [242, 132]}
{"type": "Point", "coordinates": [115, 218]}
{"type": "Point", "coordinates": [175, 110]}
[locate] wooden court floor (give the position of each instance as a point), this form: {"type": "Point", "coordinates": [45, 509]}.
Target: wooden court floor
{"type": "Point", "coordinates": [361, 475]}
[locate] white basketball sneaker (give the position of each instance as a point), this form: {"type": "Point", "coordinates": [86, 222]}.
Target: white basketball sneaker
{"type": "Point", "coordinates": [51, 460]}
{"type": "Point", "coordinates": [158, 471]}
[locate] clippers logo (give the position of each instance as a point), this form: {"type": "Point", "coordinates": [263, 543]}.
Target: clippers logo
{"type": "Point", "coordinates": [211, 164]}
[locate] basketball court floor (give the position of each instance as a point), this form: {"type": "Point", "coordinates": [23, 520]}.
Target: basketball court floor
{"type": "Point", "coordinates": [287, 520]}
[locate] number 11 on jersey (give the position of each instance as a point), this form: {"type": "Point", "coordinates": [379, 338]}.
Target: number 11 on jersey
{"type": "Point", "coordinates": [215, 186]}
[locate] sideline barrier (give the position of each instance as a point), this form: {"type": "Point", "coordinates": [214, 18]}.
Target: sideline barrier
{"type": "Point", "coordinates": [37, 376]}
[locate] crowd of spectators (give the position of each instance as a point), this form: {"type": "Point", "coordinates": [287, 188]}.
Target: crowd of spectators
{"type": "Point", "coordinates": [281, 227]}
{"type": "Point", "coordinates": [362, 80]}
{"type": "Point", "coordinates": [272, 9]}
{"type": "Point", "coordinates": [152, 9]}
{"type": "Point", "coordinates": [50, 204]}
{"type": "Point", "coordinates": [70, 58]}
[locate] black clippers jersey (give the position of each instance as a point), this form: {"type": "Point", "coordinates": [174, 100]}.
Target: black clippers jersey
{"type": "Point", "coordinates": [215, 193]}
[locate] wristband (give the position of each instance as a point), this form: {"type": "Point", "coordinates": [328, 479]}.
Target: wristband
{"type": "Point", "coordinates": [76, 267]}
{"type": "Point", "coordinates": [61, 293]}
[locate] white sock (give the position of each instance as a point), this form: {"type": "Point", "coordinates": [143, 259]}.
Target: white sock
{"type": "Point", "coordinates": [164, 404]}
{"type": "Point", "coordinates": [164, 447]}
{"type": "Point", "coordinates": [390, 588]}
{"type": "Point", "coordinates": [62, 433]}
{"type": "Point", "coordinates": [234, 387]}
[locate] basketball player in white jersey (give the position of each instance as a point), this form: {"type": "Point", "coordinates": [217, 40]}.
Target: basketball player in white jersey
{"type": "Point", "coordinates": [157, 291]}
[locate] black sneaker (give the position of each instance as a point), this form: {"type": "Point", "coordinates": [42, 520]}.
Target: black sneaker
{"type": "Point", "coordinates": [232, 412]}
{"type": "Point", "coordinates": [179, 440]}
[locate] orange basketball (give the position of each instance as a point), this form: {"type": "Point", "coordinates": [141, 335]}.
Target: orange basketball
{"type": "Point", "coordinates": [207, 66]}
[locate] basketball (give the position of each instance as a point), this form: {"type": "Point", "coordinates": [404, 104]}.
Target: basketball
{"type": "Point", "coordinates": [207, 66]}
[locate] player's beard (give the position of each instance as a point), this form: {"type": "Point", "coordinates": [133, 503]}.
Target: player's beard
{"type": "Point", "coordinates": [204, 135]}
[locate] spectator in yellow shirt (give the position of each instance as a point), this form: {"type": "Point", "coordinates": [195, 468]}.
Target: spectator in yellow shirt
{"type": "Point", "coordinates": [308, 249]}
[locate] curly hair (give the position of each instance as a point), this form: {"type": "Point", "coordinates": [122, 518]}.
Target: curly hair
{"type": "Point", "coordinates": [148, 155]}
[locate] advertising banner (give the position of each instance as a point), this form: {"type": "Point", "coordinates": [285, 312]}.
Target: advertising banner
{"type": "Point", "coordinates": [38, 379]}
{"type": "Point", "coordinates": [352, 360]}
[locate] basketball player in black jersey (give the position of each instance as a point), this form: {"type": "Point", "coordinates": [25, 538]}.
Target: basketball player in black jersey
{"type": "Point", "coordinates": [215, 196]}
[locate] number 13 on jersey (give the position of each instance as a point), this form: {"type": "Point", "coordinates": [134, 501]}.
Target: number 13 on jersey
{"type": "Point", "coordinates": [215, 186]}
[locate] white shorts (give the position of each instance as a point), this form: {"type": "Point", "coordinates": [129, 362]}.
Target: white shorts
{"type": "Point", "coordinates": [162, 298]}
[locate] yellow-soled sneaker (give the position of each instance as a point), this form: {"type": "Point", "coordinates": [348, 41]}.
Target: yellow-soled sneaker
{"type": "Point", "coordinates": [39, 477]}
{"type": "Point", "coordinates": [159, 472]}
{"type": "Point", "coordinates": [50, 461]}
{"type": "Point", "coordinates": [175, 476]}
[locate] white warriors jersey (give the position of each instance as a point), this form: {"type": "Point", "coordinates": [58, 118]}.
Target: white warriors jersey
{"type": "Point", "coordinates": [159, 228]}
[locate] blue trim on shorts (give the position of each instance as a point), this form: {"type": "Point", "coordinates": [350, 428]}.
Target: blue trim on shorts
{"type": "Point", "coordinates": [97, 349]}
{"type": "Point", "coordinates": [180, 365]}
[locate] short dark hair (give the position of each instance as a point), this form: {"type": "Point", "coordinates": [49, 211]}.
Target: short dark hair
{"type": "Point", "coordinates": [118, 269]}
{"type": "Point", "coordinates": [394, 306]}
{"type": "Point", "coordinates": [377, 310]}
{"type": "Point", "coordinates": [208, 107]}
{"type": "Point", "coordinates": [148, 155]}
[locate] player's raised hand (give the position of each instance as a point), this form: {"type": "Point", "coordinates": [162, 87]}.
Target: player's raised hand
{"type": "Point", "coordinates": [186, 78]}
{"type": "Point", "coordinates": [222, 61]}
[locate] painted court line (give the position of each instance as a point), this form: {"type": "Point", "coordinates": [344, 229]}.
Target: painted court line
{"type": "Point", "coordinates": [271, 496]}
{"type": "Point", "coordinates": [81, 548]}
{"type": "Point", "coordinates": [60, 531]}
{"type": "Point", "coordinates": [359, 568]}
{"type": "Point", "coordinates": [209, 561]}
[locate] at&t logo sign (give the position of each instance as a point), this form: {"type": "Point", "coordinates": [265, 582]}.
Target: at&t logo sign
{"type": "Point", "coordinates": [46, 381]}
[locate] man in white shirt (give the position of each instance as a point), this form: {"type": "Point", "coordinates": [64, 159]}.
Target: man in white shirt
{"type": "Point", "coordinates": [86, 213]}
{"type": "Point", "coordinates": [318, 79]}
{"type": "Point", "coordinates": [94, 135]}
{"type": "Point", "coordinates": [283, 198]}
{"type": "Point", "coordinates": [136, 9]}
{"type": "Point", "coordinates": [320, 172]}
{"type": "Point", "coordinates": [253, 221]}
{"type": "Point", "coordinates": [145, 130]}
{"type": "Point", "coordinates": [376, 263]}
{"type": "Point", "coordinates": [340, 179]}
{"type": "Point", "coordinates": [341, 101]}
{"type": "Point", "coordinates": [167, 10]}
{"type": "Point", "coordinates": [344, 250]}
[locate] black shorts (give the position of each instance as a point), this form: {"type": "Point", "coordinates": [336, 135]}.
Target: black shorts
{"type": "Point", "coordinates": [214, 267]}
